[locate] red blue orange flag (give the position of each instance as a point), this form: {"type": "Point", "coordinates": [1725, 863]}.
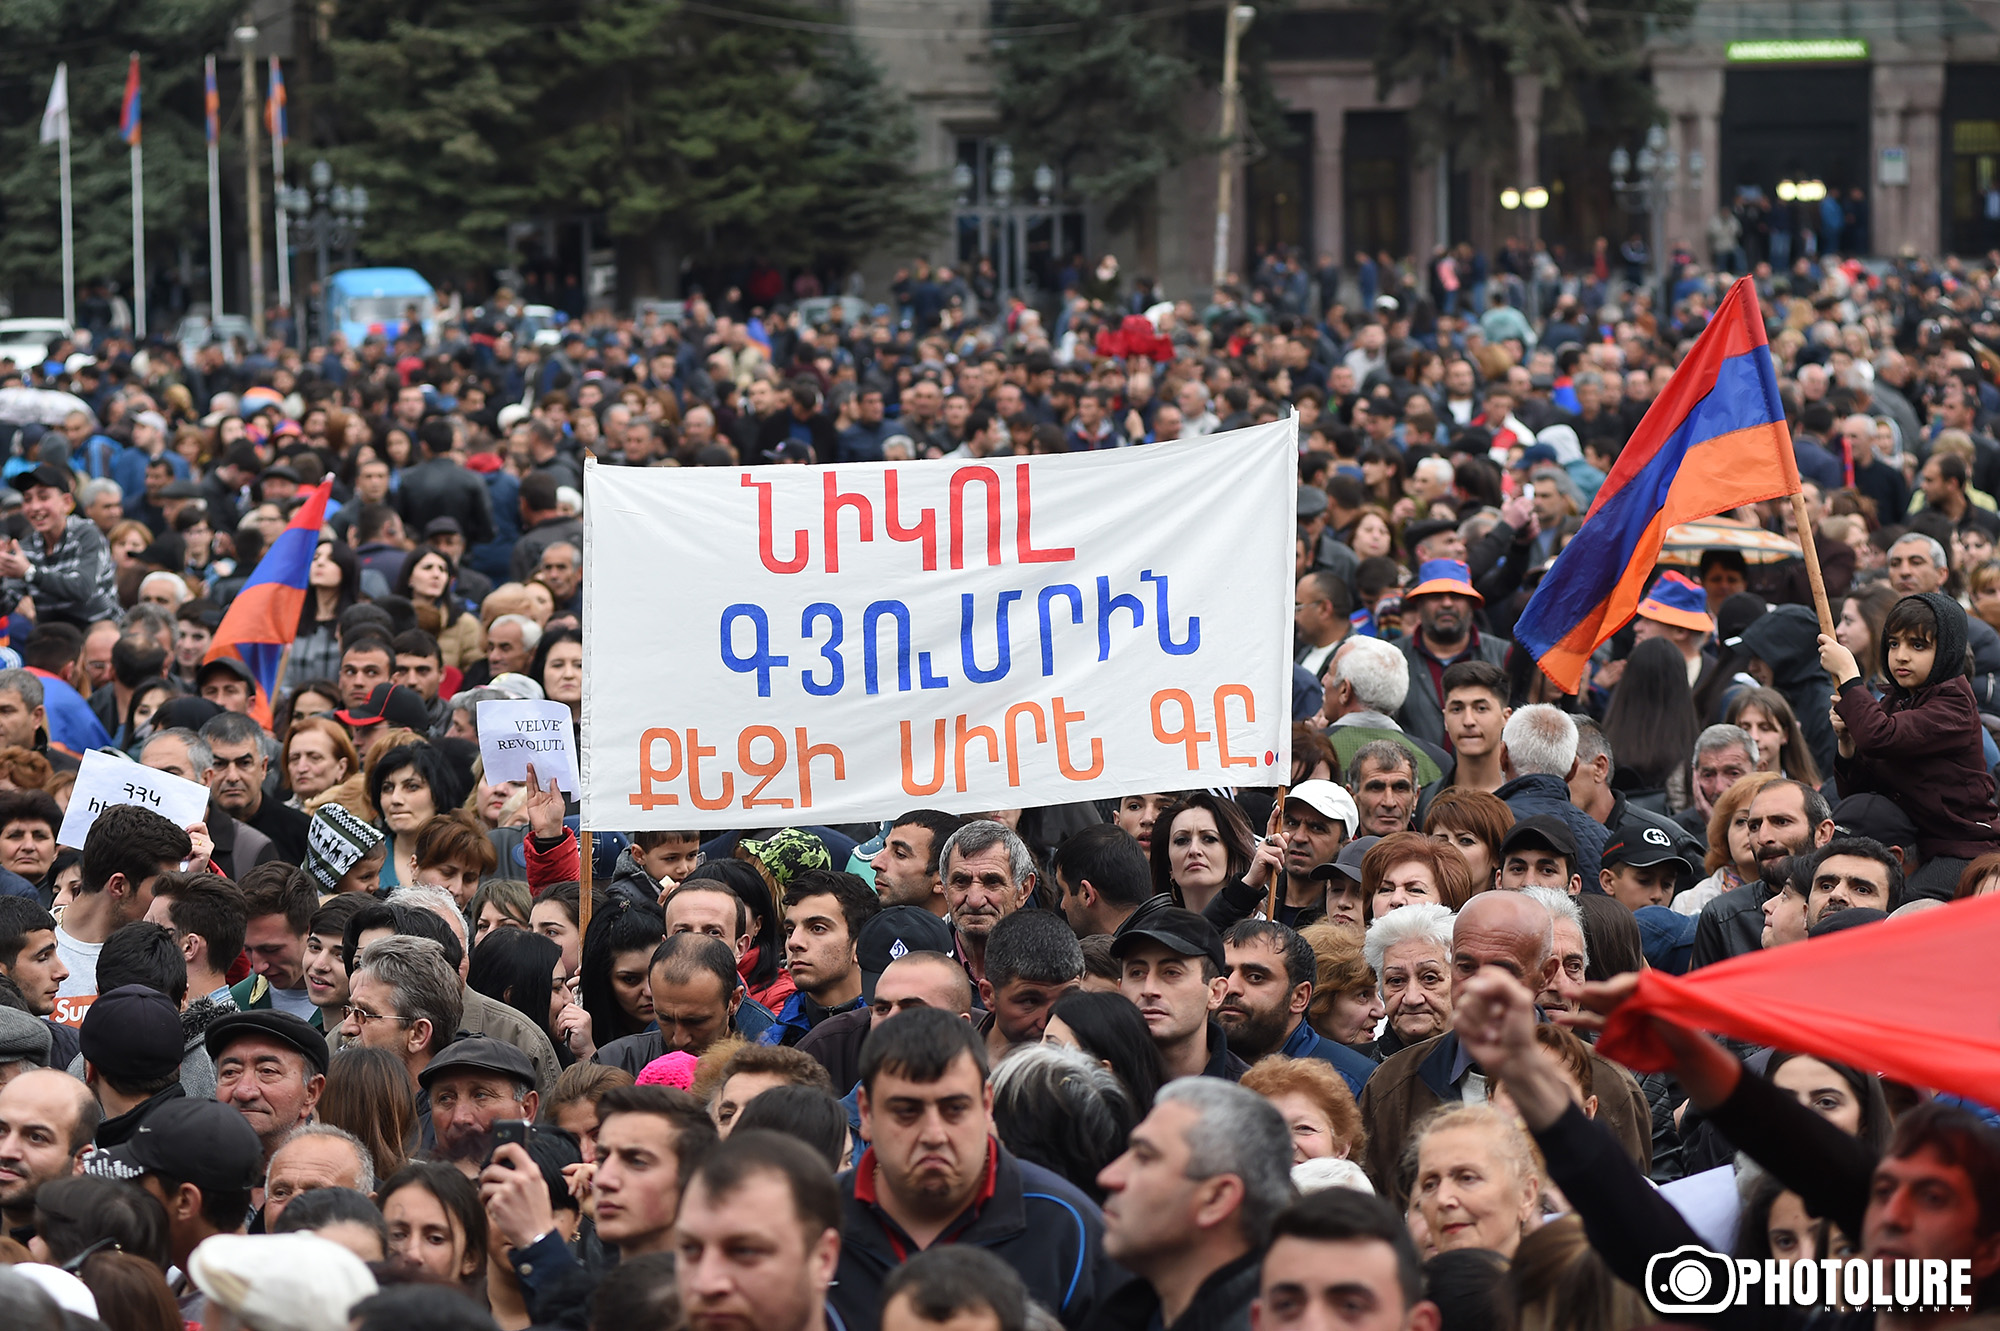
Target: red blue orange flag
{"type": "Point", "coordinates": [1715, 439]}
{"type": "Point", "coordinates": [264, 618]}
{"type": "Point", "coordinates": [211, 102]}
{"type": "Point", "coordinates": [275, 122]}
{"type": "Point", "coordinates": [128, 112]}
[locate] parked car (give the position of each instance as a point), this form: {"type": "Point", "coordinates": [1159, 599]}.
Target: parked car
{"type": "Point", "coordinates": [26, 341]}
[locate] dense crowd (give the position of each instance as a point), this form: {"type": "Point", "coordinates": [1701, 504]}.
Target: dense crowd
{"type": "Point", "coordinates": [371, 1044]}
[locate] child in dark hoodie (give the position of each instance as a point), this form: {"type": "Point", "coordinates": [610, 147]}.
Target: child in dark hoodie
{"type": "Point", "coordinates": [1920, 743]}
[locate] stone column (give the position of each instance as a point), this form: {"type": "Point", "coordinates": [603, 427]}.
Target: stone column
{"type": "Point", "coordinates": [1908, 96]}
{"type": "Point", "coordinates": [1708, 195]}
{"type": "Point", "coordinates": [1329, 177]}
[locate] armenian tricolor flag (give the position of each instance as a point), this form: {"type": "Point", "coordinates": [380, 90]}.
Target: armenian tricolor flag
{"type": "Point", "coordinates": [128, 114]}
{"type": "Point", "coordinates": [211, 101]}
{"type": "Point", "coordinates": [275, 121]}
{"type": "Point", "coordinates": [1715, 439]}
{"type": "Point", "coordinates": [264, 618]}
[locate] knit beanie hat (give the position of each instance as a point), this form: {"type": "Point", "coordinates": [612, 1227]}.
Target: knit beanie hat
{"type": "Point", "coordinates": [336, 841]}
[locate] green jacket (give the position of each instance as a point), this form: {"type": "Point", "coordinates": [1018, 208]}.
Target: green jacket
{"type": "Point", "coordinates": [254, 995]}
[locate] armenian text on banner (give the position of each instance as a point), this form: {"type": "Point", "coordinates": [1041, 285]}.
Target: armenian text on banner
{"type": "Point", "coordinates": [838, 644]}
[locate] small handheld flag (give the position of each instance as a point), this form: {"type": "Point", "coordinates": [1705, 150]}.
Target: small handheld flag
{"type": "Point", "coordinates": [128, 115]}
{"type": "Point", "coordinates": [264, 618]}
{"type": "Point", "coordinates": [211, 102]}
{"type": "Point", "coordinates": [276, 124]}
{"type": "Point", "coordinates": [1715, 439]}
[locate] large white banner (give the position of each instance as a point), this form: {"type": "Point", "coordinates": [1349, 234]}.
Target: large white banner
{"type": "Point", "coordinates": [787, 644]}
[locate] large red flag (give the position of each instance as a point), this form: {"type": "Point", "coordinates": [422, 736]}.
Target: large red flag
{"type": "Point", "coordinates": [1915, 999]}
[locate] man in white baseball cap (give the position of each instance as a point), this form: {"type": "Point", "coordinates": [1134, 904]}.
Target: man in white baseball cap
{"type": "Point", "coordinates": [1317, 820]}
{"type": "Point", "coordinates": [279, 1282]}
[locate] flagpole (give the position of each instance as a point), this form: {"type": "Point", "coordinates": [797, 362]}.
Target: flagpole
{"type": "Point", "coordinates": [214, 211]}
{"type": "Point", "coordinates": [1813, 574]}
{"type": "Point", "coordinates": [138, 246]}
{"type": "Point", "coordinates": [283, 231]}
{"type": "Point", "coordinates": [68, 240]}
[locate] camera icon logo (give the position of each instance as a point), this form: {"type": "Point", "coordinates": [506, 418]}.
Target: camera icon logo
{"type": "Point", "coordinates": [1690, 1279]}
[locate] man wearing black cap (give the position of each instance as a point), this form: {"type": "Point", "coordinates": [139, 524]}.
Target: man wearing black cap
{"type": "Point", "coordinates": [1173, 966]}
{"type": "Point", "coordinates": [1640, 865]}
{"type": "Point", "coordinates": [397, 704]}
{"type": "Point", "coordinates": [66, 569]}
{"type": "Point", "coordinates": [227, 683]}
{"type": "Point", "coordinates": [269, 1066]}
{"type": "Point", "coordinates": [1539, 852]}
{"type": "Point", "coordinates": [131, 1040]}
{"type": "Point", "coordinates": [472, 1085]}
{"type": "Point", "coordinates": [200, 1161]}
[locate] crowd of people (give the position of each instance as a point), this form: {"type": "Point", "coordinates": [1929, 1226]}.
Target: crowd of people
{"type": "Point", "coordinates": [372, 1045]}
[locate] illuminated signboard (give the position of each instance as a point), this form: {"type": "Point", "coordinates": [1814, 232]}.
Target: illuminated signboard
{"type": "Point", "coordinates": [1822, 48]}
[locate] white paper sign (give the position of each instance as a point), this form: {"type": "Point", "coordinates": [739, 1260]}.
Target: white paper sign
{"type": "Point", "coordinates": [513, 734]}
{"type": "Point", "coordinates": [103, 781]}
{"type": "Point", "coordinates": [840, 644]}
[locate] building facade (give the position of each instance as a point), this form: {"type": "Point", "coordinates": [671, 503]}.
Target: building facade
{"type": "Point", "coordinates": [1899, 99]}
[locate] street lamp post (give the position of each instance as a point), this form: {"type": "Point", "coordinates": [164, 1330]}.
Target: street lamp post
{"type": "Point", "coordinates": [1003, 223]}
{"type": "Point", "coordinates": [1648, 191]}
{"type": "Point", "coordinates": [1529, 200]}
{"type": "Point", "coordinates": [327, 217]}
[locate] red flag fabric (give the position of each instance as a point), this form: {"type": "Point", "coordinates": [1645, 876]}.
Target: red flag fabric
{"type": "Point", "coordinates": [1914, 999]}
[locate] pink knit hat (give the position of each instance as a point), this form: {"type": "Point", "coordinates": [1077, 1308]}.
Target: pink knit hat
{"type": "Point", "coordinates": [675, 1069]}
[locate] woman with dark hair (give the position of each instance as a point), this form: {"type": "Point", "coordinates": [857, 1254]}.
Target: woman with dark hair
{"type": "Point", "coordinates": [524, 971]}
{"type": "Point", "coordinates": [1200, 843]}
{"type": "Point", "coordinates": [1781, 742]}
{"type": "Point", "coordinates": [371, 1094]}
{"type": "Point", "coordinates": [1382, 474]}
{"type": "Point", "coordinates": [333, 583]}
{"type": "Point", "coordinates": [131, 1292]}
{"type": "Point", "coordinates": [1109, 1028]}
{"type": "Point", "coordinates": [1775, 1224]}
{"type": "Point", "coordinates": [1610, 936]}
{"type": "Point", "coordinates": [146, 700]}
{"type": "Point", "coordinates": [304, 700]}
{"type": "Point", "coordinates": [1846, 1097]}
{"type": "Point", "coordinates": [557, 915]}
{"type": "Point", "coordinates": [1651, 722]}
{"type": "Point", "coordinates": [437, 1225]}
{"type": "Point", "coordinates": [75, 1212]}
{"type": "Point", "coordinates": [558, 668]}
{"type": "Point", "coordinates": [761, 963]}
{"type": "Point", "coordinates": [428, 579]}
{"type": "Point", "coordinates": [411, 785]}
{"type": "Point", "coordinates": [614, 983]}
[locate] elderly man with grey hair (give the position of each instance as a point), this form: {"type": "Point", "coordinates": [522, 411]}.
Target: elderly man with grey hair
{"type": "Point", "coordinates": [1541, 755]}
{"type": "Point", "coordinates": [315, 1155]}
{"type": "Point", "coordinates": [988, 874]}
{"type": "Point", "coordinates": [1188, 1207]}
{"type": "Point", "coordinates": [1513, 931]}
{"type": "Point", "coordinates": [1366, 682]}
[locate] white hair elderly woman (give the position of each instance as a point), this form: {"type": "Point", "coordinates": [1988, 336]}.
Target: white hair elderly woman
{"type": "Point", "coordinates": [1410, 952]}
{"type": "Point", "coordinates": [1478, 1182]}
